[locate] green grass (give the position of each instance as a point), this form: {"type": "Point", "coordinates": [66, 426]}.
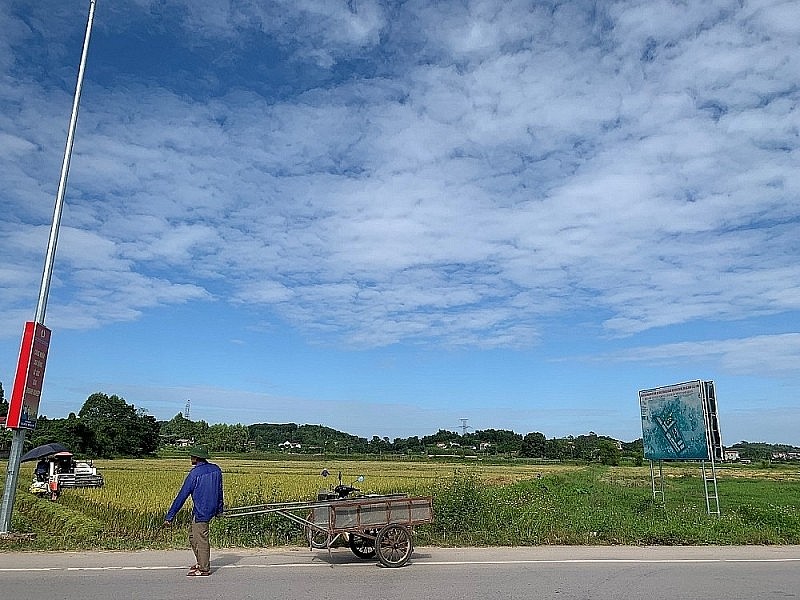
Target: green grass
{"type": "Point", "coordinates": [475, 505]}
{"type": "Point", "coordinates": [590, 507]}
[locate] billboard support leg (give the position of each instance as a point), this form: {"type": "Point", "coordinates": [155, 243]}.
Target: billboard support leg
{"type": "Point", "coordinates": [657, 483]}
{"type": "Point", "coordinates": [710, 484]}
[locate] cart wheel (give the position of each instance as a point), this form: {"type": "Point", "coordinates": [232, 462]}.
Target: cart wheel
{"type": "Point", "coordinates": [362, 547]}
{"type": "Point", "coordinates": [394, 545]}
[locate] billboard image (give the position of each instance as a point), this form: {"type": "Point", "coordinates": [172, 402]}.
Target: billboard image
{"type": "Point", "coordinates": [675, 424]}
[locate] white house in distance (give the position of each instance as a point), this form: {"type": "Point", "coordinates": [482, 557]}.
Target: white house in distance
{"type": "Point", "coordinates": [287, 445]}
{"type": "Point", "coordinates": [786, 456]}
{"type": "Point", "coordinates": [731, 455]}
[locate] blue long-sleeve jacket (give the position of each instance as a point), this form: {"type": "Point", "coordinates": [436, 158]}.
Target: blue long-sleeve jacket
{"type": "Point", "coordinates": [204, 484]}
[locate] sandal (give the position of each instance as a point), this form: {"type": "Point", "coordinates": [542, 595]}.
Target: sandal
{"type": "Point", "coordinates": [198, 573]}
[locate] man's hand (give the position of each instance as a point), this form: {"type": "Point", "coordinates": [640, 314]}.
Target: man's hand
{"type": "Point", "coordinates": [167, 523]}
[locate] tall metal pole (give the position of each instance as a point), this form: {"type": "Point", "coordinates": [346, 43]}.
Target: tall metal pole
{"type": "Point", "coordinates": [18, 440]}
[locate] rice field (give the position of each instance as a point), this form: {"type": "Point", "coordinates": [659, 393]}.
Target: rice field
{"type": "Point", "coordinates": [474, 504]}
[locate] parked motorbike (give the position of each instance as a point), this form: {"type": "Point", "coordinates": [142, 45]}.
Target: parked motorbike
{"type": "Point", "coordinates": [361, 546]}
{"type": "Point", "coordinates": [341, 491]}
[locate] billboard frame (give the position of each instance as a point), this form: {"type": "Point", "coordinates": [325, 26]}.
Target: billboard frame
{"type": "Point", "coordinates": [680, 422]}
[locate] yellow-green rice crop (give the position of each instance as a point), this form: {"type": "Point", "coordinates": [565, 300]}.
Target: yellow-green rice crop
{"type": "Point", "coordinates": [474, 503]}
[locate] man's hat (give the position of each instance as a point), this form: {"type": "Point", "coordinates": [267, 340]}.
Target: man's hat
{"type": "Point", "coordinates": [198, 451]}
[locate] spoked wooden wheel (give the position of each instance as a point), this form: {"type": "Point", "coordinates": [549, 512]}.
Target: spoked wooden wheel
{"type": "Point", "coordinates": [362, 547]}
{"type": "Point", "coordinates": [394, 545]}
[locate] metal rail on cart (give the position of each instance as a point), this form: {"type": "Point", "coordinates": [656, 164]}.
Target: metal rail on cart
{"type": "Point", "coordinates": [373, 525]}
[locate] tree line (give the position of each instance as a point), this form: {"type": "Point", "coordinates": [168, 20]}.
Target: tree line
{"type": "Point", "coordinates": [293, 438]}
{"type": "Point", "coordinates": [107, 427]}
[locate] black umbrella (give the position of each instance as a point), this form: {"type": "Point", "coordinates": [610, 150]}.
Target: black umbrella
{"type": "Point", "coordinates": [42, 451]}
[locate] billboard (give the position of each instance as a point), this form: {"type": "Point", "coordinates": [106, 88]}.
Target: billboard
{"type": "Point", "coordinates": [23, 409]}
{"type": "Point", "coordinates": [680, 422]}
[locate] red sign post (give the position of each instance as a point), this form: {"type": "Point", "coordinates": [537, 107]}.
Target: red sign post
{"type": "Point", "coordinates": [23, 408]}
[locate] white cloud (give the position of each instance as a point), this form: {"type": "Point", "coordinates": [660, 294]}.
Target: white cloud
{"type": "Point", "coordinates": [323, 32]}
{"type": "Point", "coordinates": [774, 355]}
{"type": "Point", "coordinates": [511, 164]}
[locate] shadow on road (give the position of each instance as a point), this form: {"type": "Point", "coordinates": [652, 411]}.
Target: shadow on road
{"type": "Point", "coordinates": [226, 560]}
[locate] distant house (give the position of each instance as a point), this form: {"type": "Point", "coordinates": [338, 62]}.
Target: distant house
{"type": "Point", "coordinates": [484, 446]}
{"type": "Point", "coordinates": [786, 456]}
{"type": "Point", "coordinates": [287, 445]}
{"type": "Point", "coordinates": [731, 455]}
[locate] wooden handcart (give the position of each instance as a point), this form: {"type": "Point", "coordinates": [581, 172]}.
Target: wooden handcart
{"type": "Point", "coordinates": [373, 525]}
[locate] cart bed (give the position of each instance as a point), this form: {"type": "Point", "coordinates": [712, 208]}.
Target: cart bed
{"type": "Point", "coordinates": [360, 514]}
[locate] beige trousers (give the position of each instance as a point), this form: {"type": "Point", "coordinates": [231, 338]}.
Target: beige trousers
{"type": "Point", "coordinates": [198, 540]}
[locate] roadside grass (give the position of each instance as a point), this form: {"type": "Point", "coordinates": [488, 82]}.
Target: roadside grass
{"type": "Point", "coordinates": [600, 505]}
{"type": "Point", "coordinates": [483, 505]}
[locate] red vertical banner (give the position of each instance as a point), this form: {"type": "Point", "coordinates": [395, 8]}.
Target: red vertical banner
{"type": "Point", "coordinates": [23, 408]}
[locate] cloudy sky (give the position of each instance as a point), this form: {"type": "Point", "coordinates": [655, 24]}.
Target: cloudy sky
{"type": "Point", "coordinates": [388, 216]}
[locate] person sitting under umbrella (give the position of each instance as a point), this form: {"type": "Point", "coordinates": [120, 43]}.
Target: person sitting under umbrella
{"type": "Point", "coordinates": [42, 470]}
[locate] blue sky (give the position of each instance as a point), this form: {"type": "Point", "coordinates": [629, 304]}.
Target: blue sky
{"type": "Point", "coordinates": [388, 216]}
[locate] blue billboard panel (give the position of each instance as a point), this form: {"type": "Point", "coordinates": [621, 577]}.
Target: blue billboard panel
{"type": "Point", "coordinates": [674, 423]}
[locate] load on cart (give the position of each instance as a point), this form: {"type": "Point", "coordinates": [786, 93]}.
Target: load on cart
{"type": "Point", "coordinates": [374, 524]}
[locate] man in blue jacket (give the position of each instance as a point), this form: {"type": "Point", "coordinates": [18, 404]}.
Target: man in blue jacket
{"type": "Point", "coordinates": [204, 485]}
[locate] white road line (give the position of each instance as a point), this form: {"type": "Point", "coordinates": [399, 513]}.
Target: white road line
{"type": "Point", "coordinates": [607, 560]}
{"type": "Point", "coordinates": [420, 563]}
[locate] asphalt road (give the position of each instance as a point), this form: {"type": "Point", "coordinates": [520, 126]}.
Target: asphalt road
{"type": "Point", "coordinates": [563, 573]}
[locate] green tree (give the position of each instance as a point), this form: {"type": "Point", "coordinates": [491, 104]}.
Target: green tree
{"type": "Point", "coordinates": [408, 445]}
{"type": "Point", "coordinates": [502, 440]}
{"type": "Point", "coordinates": [226, 438]}
{"type": "Point", "coordinates": [560, 449]}
{"type": "Point", "coordinates": [147, 429]}
{"type": "Point", "coordinates": [70, 432]}
{"type": "Point", "coordinates": [533, 445]}
{"type": "Point", "coordinates": [267, 436]}
{"type": "Point", "coordinates": [181, 428]}
{"type": "Point", "coordinates": [586, 447]}
{"type": "Point", "coordinates": [112, 427]}
{"type": "Point", "coordinates": [608, 452]}
{"type": "Point", "coordinates": [3, 402]}
{"type": "Point", "coordinates": [5, 434]}
{"type": "Point", "coordinates": [442, 436]}
{"type": "Point", "coordinates": [379, 445]}
{"type": "Point", "coordinates": [634, 450]}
